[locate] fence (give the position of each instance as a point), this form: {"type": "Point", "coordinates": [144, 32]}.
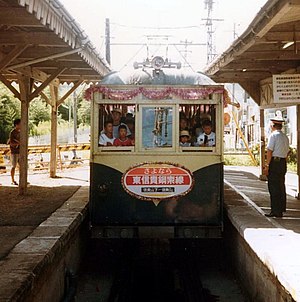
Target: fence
{"type": "Point", "coordinates": [39, 156]}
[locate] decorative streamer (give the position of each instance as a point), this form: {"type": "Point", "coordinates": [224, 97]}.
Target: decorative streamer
{"type": "Point", "coordinates": [156, 94]}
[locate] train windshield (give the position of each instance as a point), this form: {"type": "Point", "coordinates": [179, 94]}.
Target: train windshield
{"type": "Point", "coordinates": [157, 129]}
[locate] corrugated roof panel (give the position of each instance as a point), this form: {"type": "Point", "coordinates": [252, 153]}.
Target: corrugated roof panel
{"type": "Point", "coordinates": [53, 15]}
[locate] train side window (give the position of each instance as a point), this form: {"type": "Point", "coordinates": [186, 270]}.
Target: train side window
{"type": "Point", "coordinates": [197, 124]}
{"type": "Point", "coordinates": [157, 127]}
{"type": "Point", "coordinates": [116, 125]}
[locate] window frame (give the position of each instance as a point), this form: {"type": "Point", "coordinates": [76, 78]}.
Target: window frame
{"type": "Point", "coordinates": [162, 104]}
{"type": "Point", "coordinates": [140, 102]}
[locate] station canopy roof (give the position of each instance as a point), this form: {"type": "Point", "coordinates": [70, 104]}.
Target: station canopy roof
{"type": "Point", "coordinates": [270, 45]}
{"type": "Point", "coordinates": [40, 38]}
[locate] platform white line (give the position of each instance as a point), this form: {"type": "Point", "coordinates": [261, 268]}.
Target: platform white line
{"type": "Point", "coordinates": [253, 204]}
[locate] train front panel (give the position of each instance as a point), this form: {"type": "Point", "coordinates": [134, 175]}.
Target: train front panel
{"type": "Point", "coordinates": [159, 181]}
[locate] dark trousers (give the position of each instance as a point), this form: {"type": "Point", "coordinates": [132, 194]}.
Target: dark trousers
{"type": "Point", "coordinates": [276, 185]}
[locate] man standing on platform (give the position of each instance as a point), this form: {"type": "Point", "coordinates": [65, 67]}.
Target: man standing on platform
{"type": "Point", "coordinates": [14, 143]}
{"type": "Point", "coordinates": [277, 152]}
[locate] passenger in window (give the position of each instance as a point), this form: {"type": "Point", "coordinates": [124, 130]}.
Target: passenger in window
{"type": "Point", "coordinates": [208, 137]}
{"type": "Point", "coordinates": [196, 131]}
{"type": "Point", "coordinates": [116, 117]}
{"type": "Point", "coordinates": [123, 139]}
{"type": "Point", "coordinates": [183, 124]}
{"type": "Point", "coordinates": [130, 125]}
{"type": "Point", "coordinates": [106, 137]}
{"type": "Point", "coordinates": [184, 139]}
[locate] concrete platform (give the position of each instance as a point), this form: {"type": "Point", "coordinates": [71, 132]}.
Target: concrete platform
{"type": "Point", "coordinates": [34, 258]}
{"type": "Point", "coordinates": [275, 241]}
{"type": "Point", "coordinates": [31, 254]}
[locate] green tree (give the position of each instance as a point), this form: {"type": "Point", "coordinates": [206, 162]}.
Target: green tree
{"type": "Point", "coordinates": [10, 109]}
{"type": "Point", "coordinates": [39, 111]}
{"type": "Point", "coordinates": [84, 112]}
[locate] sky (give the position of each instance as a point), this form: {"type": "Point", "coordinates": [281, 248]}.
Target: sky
{"type": "Point", "coordinates": [131, 21]}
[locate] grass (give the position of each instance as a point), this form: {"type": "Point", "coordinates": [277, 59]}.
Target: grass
{"type": "Point", "coordinates": [245, 160]}
{"type": "Point", "coordinates": [292, 167]}
{"type": "Point", "coordinates": [238, 160]}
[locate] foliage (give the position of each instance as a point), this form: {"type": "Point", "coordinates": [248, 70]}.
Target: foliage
{"type": "Point", "coordinates": [245, 160]}
{"type": "Point", "coordinates": [238, 160]}
{"type": "Point", "coordinates": [83, 109]}
{"type": "Point", "coordinates": [10, 109]}
{"type": "Point", "coordinates": [39, 111]}
{"type": "Point", "coordinates": [84, 113]}
{"type": "Point", "coordinates": [44, 127]}
{"type": "Point", "coordinates": [292, 158]}
{"type": "Point", "coordinates": [292, 167]}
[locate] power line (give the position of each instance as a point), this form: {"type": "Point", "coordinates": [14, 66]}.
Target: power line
{"type": "Point", "coordinates": [132, 57]}
{"type": "Point", "coordinates": [185, 60]}
{"type": "Point", "coordinates": [159, 27]}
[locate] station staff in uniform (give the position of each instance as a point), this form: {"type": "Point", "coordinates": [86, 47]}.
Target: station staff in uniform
{"type": "Point", "coordinates": [277, 152]}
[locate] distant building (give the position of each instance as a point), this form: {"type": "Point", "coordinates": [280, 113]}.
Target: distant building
{"type": "Point", "coordinates": [248, 117]}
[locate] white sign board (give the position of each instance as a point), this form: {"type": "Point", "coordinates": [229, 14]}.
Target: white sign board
{"type": "Point", "coordinates": [286, 88]}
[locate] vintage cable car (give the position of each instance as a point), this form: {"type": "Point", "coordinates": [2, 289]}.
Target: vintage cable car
{"type": "Point", "coordinates": [156, 154]}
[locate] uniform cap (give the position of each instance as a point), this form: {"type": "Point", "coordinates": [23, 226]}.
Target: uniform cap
{"type": "Point", "coordinates": [185, 133]}
{"type": "Point", "coordinates": [117, 110]}
{"type": "Point", "coordinates": [277, 120]}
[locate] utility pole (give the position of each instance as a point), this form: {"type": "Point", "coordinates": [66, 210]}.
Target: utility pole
{"type": "Point", "coordinates": [107, 40]}
{"type": "Point", "coordinates": [75, 115]}
{"type": "Point", "coordinates": [211, 49]}
{"type": "Point", "coordinates": [186, 51]}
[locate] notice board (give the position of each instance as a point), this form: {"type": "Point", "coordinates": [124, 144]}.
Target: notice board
{"type": "Point", "coordinates": [286, 88]}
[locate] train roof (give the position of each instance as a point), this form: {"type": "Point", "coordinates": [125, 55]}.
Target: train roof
{"type": "Point", "coordinates": [150, 76]}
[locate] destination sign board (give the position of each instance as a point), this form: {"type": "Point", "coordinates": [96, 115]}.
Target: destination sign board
{"type": "Point", "coordinates": [157, 181]}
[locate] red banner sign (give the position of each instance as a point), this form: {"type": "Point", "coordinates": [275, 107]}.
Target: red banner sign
{"type": "Point", "coordinates": [157, 181]}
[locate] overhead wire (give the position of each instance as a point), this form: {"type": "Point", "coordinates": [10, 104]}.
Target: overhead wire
{"type": "Point", "coordinates": [132, 57]}
{"type": "Point", "coordinates": [158, 27]}
{"type": "Point", "coordinates": [185, 60]}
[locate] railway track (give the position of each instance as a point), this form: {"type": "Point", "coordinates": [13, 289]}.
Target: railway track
{"type": "Point", "coordinates": [173, 276]}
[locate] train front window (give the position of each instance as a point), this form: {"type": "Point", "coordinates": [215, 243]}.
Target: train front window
{"type": "Point", "coordinates": [197, 124]}
{"type": "Point", "coordinates": [157, 127]}
{"type": "Point", "coordinates": [116, 125]}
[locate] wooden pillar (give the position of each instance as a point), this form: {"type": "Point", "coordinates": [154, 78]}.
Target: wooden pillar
{"type": "Point", "coordinates": [262, 145]}
{"type": "Point", "coordinates": [298, 150]}
{"type": "Point", "coordinates": [55, 102]}
{"type": "Point", "coordinates": [25, 84]}
{"type": "Point", "coordinates": [54, 107]}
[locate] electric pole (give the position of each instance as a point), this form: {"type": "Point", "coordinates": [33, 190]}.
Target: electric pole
{"type": "Point", "coordinates": [107, 40]}
{"type": "Point", "coordinates": [211, 48]}
{"type": "Point", "coordinates": [185, 52]}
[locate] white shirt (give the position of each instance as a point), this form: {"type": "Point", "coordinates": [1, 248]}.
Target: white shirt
{"type": "Point", "coordinates": [210, 141]}
{"type": "Point", "coordinates": [103, 139]}
{"type": "Point", "coordinates": [279, 144]}
{"type": "Point", "coordinates": [187, 144]}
